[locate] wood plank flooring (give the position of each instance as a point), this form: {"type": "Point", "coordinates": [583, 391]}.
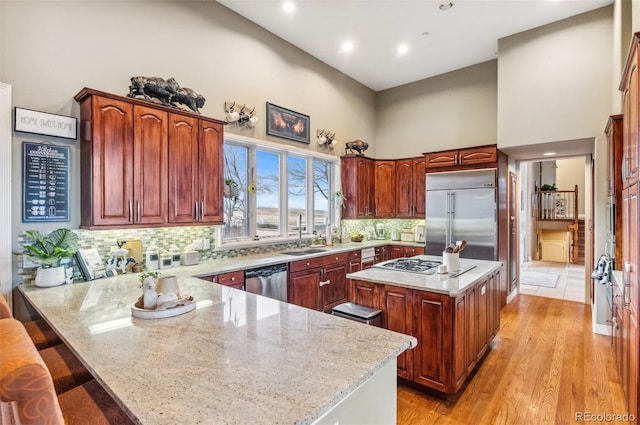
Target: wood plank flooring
{"type": "Point", "coordinates": [545, 365]}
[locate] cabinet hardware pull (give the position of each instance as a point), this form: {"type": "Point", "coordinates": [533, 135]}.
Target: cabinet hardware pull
{"type": "Point", "coordinates": [196, 207]}
{"type": "Point", "coordinates": [202, 210]}
{"type": "Point", "coordinates": [139, 213]}
{"type": "Point", "coordinates": [326, 282]}
{"type": "Point", "coordinates": [233, 278]}
{"type": "Point", "coordinates": [130, 210]}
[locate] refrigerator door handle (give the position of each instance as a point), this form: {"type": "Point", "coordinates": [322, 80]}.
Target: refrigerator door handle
{"type": "Point", "coordinates": [447, 233]}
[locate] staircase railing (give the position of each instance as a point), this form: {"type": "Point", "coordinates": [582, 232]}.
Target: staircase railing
{"type": "Point", "coordinates": [556, 206]}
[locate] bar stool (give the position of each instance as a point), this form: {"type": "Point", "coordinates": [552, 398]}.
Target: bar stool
{"type": "Point", "coordinates": [39, 331]}
{"type": "Point", "coordinates": [66, 370]}
{"type": "Point", "coordinates": [27, 394]}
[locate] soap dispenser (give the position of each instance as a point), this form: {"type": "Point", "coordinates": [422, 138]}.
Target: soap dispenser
{"type": "Point", "coordinates": [152, 257]}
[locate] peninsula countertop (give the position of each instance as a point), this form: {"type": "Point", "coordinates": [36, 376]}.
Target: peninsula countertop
{"type": "Point", "coordinates": [439, 283]}
{"type": "Point", "coordinates": [237, 358]}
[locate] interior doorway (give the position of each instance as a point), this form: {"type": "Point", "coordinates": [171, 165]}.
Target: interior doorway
{"type": "Point", "coordinates": [555, 227]}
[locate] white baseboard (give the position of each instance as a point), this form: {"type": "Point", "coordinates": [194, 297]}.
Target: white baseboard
{"type": "Point", "coordinates": [601, 329]}
{"type": "Point", "coordinates": [512, 295]}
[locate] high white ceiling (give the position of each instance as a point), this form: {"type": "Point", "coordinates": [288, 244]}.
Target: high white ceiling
{"type": "Point", "coordinates": [464, 35]}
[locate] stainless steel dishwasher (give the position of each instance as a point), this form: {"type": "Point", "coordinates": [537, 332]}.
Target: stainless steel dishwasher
{"type": "Point", "coordinates": [269, 281]}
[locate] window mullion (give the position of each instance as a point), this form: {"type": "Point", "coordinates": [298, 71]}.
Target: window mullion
{"type": "Point", "coordinates": [284, 195]}
{"type": "Point", "coordinates": [251, 201]}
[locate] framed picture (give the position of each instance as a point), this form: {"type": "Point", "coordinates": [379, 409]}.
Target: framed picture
{"type": "Point", "coordinates": [44, 123]}
{"type": "Point", "coordinates": [285, 123]}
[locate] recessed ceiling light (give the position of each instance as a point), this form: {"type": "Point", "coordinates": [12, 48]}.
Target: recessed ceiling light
{"type": "Point", "coordinates": [347, 46]}
{"type": "Point", "coordinates": [446, 5]}
{"type": "Point", "coordinates": [288, 6]}
{"type": "Point", "coordinates": [402, 49]}
{"type": "Point", "coordinates": [549, 153]}
{"type": "Point", "coordinates": [424, 34]}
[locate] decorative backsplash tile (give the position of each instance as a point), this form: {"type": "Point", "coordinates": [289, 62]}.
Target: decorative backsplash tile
{"type": "Point", "coordinates": [162, 237]}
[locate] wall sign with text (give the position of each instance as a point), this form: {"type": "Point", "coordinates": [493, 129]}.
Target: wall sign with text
{"type": "Point", "coordinates": [36, 122]}
{"type": "Point", "coordinates": [45, 182]}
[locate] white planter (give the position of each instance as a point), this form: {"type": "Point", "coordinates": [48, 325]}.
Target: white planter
{"type": "Point", "coordinates": [52, 276]}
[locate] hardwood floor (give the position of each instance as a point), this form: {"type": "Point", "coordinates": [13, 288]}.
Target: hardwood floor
{"type": "Point", "coordinates": [545, 365]}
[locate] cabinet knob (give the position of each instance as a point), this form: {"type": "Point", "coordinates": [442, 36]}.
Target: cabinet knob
{"type": "Point", "coordinates": [233, 278]}
{"type": "Point", "coordinates": [308, 264]}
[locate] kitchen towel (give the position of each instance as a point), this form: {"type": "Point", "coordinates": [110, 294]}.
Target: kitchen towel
{"type": "Point", "coordinates": [602, 272]}
{"type": "Point", "coordinates": [547, 280]}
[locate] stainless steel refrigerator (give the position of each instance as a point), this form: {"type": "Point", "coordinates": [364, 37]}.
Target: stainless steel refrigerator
{"type": "Point", "coordinates": [462, 205]}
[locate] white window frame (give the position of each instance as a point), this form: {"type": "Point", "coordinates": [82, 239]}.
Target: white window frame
{"type": "Point", "coordinates": [257, 144]}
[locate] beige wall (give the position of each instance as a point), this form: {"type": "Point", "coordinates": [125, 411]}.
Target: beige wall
{"type": "Point", "coordinates": [57, 48]}
{"type": "Point", "coordinates": [570, 172]}
{"type": "Point", "coordinates": [457, 109]}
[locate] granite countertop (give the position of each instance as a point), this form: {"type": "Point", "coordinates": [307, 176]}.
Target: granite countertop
{"type": "Point", "coordinates": [439, 283]}
{"type": "Point", "coordinates": [237, 358]}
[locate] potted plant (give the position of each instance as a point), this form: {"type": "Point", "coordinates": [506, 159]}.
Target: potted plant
{"type": "Point", "coordinates": [47, 251]}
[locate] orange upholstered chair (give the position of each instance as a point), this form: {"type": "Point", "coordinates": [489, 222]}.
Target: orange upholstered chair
{"type": "Point", "coordinates": [40, 333]}
{"type": "Point", "coordinates": [66, 369]}
{"type": "Point", "coordinates": [27, 394]}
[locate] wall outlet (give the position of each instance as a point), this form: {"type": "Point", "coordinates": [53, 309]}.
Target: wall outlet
{"type": "Point", "coordinates": [197, 244]}
{"type": "Point", "coordinates": [206, 244]}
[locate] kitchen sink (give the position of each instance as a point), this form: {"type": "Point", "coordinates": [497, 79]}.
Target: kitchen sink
{"type": "Point", "coordinates": [305, 251]}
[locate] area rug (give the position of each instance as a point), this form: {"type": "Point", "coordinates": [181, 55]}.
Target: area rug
{"type": "Point", "coordinates": [547, 280]}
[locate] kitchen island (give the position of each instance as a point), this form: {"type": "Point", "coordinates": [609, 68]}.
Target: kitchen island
{"type": "Point", "coordinates": [237, 358]}
{"type": "Point", "coordinates": [454, 318]}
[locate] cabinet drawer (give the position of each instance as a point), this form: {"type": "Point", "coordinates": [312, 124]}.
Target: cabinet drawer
{"type": "Point", "coordinates": [336, 258]}
{"type": "Point", "coordinates": [210, 278]}
{"type": "Point", "coordinates": [410, 251]}
{"type": "Point", "coordinates": [232, 278]}
{"type": "Point", "coordinates": [296, 266]}
{"type": "Point", "coordinates": [354, 255]}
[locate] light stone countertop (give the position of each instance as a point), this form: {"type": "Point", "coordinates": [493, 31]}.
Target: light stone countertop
{"type": "Point", "coordinates": [439, 283]}
{"type": "Point", "coordinates": [237, 358]}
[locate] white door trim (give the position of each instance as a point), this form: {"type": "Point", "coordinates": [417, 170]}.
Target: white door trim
{"type": "Point", "coordinates": [6, 284]}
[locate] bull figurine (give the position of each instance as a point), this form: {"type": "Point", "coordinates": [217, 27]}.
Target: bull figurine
{"type": "Point", "coordinates": [168, 92]}
{"type": "Point", "coordinates": [357, 146]}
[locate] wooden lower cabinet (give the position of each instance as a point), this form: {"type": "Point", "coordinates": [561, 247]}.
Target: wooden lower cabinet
{"type": "Point", "coordinates": [453, 333]}
{"type": "Point", "coordinates": [433, 328]}
{"type": "Point", "coordinates": [397, 302]}
{"type": "Point", "coordinates": [319, 283]}
{"type": "Point", "coordinates": [231, 279]}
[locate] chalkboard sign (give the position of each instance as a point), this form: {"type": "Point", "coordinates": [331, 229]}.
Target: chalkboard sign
{"type": "Point", "coordinates": [45, 182]}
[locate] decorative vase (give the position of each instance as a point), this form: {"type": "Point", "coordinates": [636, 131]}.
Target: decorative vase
{"type": "Point", "coordinates": [52, 276]}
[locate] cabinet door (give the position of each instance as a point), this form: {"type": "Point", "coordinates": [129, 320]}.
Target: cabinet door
{"type": "Point", "coordinates": [355, 266]}
{"type": "Point", "coordinates": [472, 328]}
{"type": "Point", "coordinates": [335, 289]}
{"type": "Point", "coordinates": [183, 168]}
{"type": "Point", "coordinates": [630, 136]}
{"type": "Point", "coordinates": [365, 293]}
{"type": "Point", "coordinates": [210, 169]}
{"type": "Point", "coordinates": [395, 251]}
{"type": "Point", "coordinates": [404, 188]}
{"type": "Point", "coordinates": [397, 304]}
{"type": "Point", "coordinates": [232, 279]}
{"type": "Point", "coordinates": [112, 173]}
{"type": "Point", "coordinates": [481, 155]}
{"type": "Point", "coordinates": [432, 325]}
{"type": "Point", "coordinates": [305, 288]}
{"type": "Point", "coordinates": [150, 165]}
{"type": "Point", "coordinates": [483, 324]}
{"type": "Point", "coordinates": [365, 184]}
{"type": "Point", "coordinates": [385, 189]}
{"type": "Point", "coordinates": [441, 159]}
{"type": "Point", "coordinates": [419, 188]}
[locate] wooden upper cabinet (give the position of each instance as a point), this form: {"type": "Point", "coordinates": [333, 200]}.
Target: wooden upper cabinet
{"type": "Point", "coordinates": [183, 169]}
{"type": "Point", "coordinates": [629, 88]}
{"type": "Point", "coordinates": [210, 166]}
{"type": "Point", "coordinates": [147, 165]}
{"type": "Point", "coordinates": [358, 179]}
{"type": "Point", "coordinates": [457, 159]}
{"type": "Point", "coordinates": [613, 130]}
{"type": "Point", "coordinates": [385, 189]}
{"type": "Point", "coordinates": [410, 188]}
{"type": "Point", "coordinates": [106, 153]}
{"type": "Point", "coordinates": [150, 165]}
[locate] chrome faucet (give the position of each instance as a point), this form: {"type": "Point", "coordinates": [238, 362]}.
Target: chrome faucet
{"type": "Point", "coordinates": [300, 231]}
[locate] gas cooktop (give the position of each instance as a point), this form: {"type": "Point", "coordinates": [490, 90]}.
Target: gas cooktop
{"type": "Point", "coordinates": [414, 265]}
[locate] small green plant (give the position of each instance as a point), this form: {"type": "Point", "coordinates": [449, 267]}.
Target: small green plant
{"type": "Point", "coordinates": [549, 187]}
{"type": "Point", "coordinates": [47, 250]}
{"type": "Point", "coordinates": [144, 276]}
